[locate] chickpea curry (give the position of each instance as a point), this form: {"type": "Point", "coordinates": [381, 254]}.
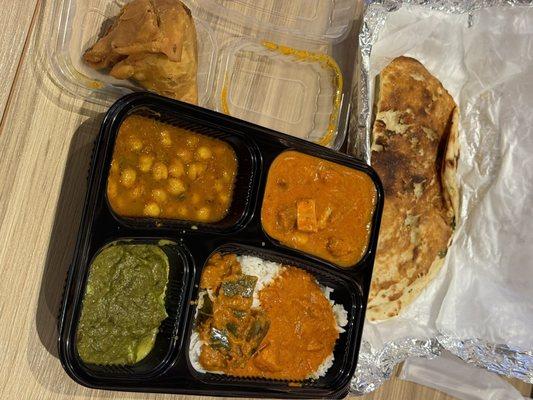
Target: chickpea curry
{"type": "Point", "coordinates": [288, 336]}
{"type": "Point", "coordinates": [319, 207]}
{"type": "Point", "coordinates": [161, 171]}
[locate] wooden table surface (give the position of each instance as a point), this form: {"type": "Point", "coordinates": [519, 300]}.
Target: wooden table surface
{"type": "Point", "coordinates": [45, 139]}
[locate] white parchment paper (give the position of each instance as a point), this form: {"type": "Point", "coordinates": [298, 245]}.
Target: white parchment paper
{"type": "Point", "coordinates": [485, 289]}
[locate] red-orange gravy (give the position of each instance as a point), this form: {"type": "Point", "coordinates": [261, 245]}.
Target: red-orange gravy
{"type": "Point", "coordinates": [320, 207]}
{"type": "Point", "coordinates": [288, 337]}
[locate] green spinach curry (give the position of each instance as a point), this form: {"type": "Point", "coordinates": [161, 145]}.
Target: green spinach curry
{"type": "Point", "coordinates": [124, 304]}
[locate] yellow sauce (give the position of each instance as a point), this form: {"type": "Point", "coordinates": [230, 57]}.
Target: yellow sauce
{"type": "Point", "coordinates": [303, 55]}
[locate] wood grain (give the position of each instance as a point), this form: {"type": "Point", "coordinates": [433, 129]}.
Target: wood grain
{"type": "Point", "coordinates": [45, 143]}
{"type": "Point", "coordinates": [15, 20]}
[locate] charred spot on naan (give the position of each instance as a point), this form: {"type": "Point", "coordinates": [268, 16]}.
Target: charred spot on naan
{"type": "Point", "coordinates": [414, 151]}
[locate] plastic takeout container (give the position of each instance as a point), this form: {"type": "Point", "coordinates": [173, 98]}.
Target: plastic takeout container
{"type": "Point", "coordinates": [189, 246]}
{"type": "Point", "coordinates": [80, 25]}
{"type": "Point", "coordinates": [318, 20]}
{"type": "Point", "coordinates": [318, 26]}
{"type": "Point", "coordinates": [300, 97]}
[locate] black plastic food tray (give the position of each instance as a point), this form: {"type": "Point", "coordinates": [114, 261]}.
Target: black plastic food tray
{"type": "Point", "coordinates": [188, 245]}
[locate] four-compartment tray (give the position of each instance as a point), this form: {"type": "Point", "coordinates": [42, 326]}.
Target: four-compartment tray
{"type": "Point", "coordinates": [189, 245]}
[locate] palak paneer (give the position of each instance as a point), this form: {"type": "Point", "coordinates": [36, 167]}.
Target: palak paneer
{"type": "Point", "coordinates": [161, 171]}
{"type": "Point", "coordinates": [319, 207]}
{"type": "Point", "coordinates": [124, 304]}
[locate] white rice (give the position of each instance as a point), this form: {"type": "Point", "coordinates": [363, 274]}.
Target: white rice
{"type": "Point", "coordinates": [267, 271]}
{"type": "Point", "coordinates": [341, 315]}
{"type": "Point", "coordinates": [195, 349]}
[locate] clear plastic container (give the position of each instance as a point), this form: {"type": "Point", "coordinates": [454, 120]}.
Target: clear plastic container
{"type": "Point", "coordinates": [237, 74]}
{"type": "Point", "coordinates": [319, 20]}
{"type": "Point", "coordinates": [300, 96]}
{"type": "Point", "coordinates": [81, 24]}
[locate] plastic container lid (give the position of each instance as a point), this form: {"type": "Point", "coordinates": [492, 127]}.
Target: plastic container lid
{"type": "Point", "coordinates": [81, 24]}
{"type": "Point", "coordinates": [288, 90]}
{"type": "Point", "coordinates": [319, 20]}
{"type": "Point", "coordinates": [279, 91]}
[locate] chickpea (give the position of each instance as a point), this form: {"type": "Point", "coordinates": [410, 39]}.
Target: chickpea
{"type": "Point", "coordinates": [159, 195]}
{"type": "Point", "coordinates": [204, 153]}
{"type": "Point", "coordinates": [218, 186]}
{"type": "Point", "coordinates": [203, 214]}
{"type": "Point", "coordinates": [145, 162]}
{"type": "Point", "coordinates": [112, 189]}
{"type": "Point", "coordinates": [195, 170]}
{"type": "Point", "coordinates": [192, 141]}
{"type": "Point", "coordinates": [176, 169]}
{"type": "Point", "coordinates": [185, 155]}
{"type": "Point", "coordinates": [176, 186]}
{"type": "Point", "coordinates": [128, 177]}
{"type": "Point", "coordinates": [165, 138]}
{"type": "Point", "coordinates": [136, 144]}
{"type": "Point", "coordinates": [160, 171]}
{"type": "Point", "coordinates": [152, 210]}
{"type": "Point", "coordinates": [224, 198]}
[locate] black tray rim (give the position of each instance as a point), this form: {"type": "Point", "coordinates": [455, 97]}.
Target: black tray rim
{"type": "Point", "coordinates": [139, 99]}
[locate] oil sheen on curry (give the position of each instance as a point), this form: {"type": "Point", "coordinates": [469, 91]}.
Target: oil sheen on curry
{"type": "Point", "coordinates": [288, 336]}
{"type": "Point", "coordinates": [161, 171]}
{"type": "Point", "coordinates": [319, 207]}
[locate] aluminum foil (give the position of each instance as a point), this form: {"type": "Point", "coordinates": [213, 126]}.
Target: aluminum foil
{"type": "Point", "coordinates": [497, 358]}
{"type": "Point", "coordinates": [376, 364]}
{"type": "Point", "coordinates": [374, 18]}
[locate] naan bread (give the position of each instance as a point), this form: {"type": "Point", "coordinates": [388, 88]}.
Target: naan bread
{"type": "Point", "coordinates": [415, 152]}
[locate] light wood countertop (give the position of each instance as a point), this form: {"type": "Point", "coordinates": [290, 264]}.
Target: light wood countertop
{"type": "Point", "coordinates": [45, 142]}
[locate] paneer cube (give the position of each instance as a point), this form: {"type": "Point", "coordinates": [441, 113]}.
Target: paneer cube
{"type": "Point", "coordinates": [306, 216]}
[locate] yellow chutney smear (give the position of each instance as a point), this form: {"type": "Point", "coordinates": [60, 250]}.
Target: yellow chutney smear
{"type": "Point", "coordinates": [304, 55]}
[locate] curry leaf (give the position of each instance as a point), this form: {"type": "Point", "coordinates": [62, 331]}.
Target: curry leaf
{"type": "Point", "coordinates": [244, 286]}
{"type": "Point", "coordinates": [257, 332]}
{"type": "Point", "coordinates": [219, 339]}
{"type": "Point", "coordinates": [232, 328]}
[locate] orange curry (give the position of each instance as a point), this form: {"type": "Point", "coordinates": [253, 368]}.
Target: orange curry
{"type": "Point", "coordinates": [288, 337]}
{"type": "Point", "coordinates": [319, 207]}
{"type": "Point", "coordinates": [161, 171]}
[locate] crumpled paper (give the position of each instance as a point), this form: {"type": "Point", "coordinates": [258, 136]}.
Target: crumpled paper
{"type": "Point", "coordinates": [480, 306]}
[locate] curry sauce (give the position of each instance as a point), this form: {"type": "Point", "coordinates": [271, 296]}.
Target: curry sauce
{"type": "Point", "coordinates": [289, 336]}
{"type": "Point", "coordinates": [319, 207]}
{"type": "Point", "coordinates": [302, 330]}
{"type": "Point", "coordinates": [161, 171]}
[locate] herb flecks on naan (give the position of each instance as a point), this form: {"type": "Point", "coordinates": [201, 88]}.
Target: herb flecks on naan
{"type": "Point", "coordinates": [415, 153]}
